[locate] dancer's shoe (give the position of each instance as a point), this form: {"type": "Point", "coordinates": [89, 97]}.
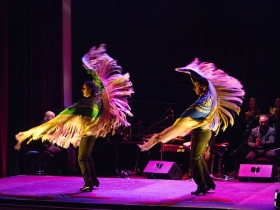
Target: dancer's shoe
{"type": "Point", "coordinates": [211, 186]}
{"type": "Point", "coordinates": [202, 189]}
{"type": "Point", "coordinates": [86, 189]}
{"type": "Point", "coordinates": [95, 182]}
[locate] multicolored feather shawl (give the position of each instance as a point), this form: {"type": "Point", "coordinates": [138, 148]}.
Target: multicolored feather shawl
{"type": "Point", "coordinates": [97, 115]}
{"type": "Point", "coordinates": [227, 92]}
{"type": "Point", "coordinates": [215, 111]}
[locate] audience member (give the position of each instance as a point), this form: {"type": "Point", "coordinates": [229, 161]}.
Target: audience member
{"type": "Point", "coordinates": [46, 145]}
{"type": "Point", "coordinates": [261, 141]}
{"type": "Point", "coordinates": [274, 117]}
{"type": "Point", "coordinates": [274, 114]}
{"type": "Point", "coordinates": [252, 116]}
{"type": "Point", "coordinates": [64, 160]}
{"type": "Point", "coordinates": [58, 154]}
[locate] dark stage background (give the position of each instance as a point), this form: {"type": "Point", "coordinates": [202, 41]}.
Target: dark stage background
{"type": "Point", "coordinates": [149, 39]}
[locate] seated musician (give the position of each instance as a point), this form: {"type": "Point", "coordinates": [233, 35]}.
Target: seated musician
{"type": "Point", "coordinates": [262, 141]}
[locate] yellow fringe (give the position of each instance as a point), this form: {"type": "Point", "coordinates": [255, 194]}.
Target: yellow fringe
{"type": "Point", "coordinates": [62, 130]}
{"type": "Point", "coordinates": [181, 126]}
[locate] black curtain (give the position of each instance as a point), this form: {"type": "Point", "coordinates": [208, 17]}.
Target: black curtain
{"type": "Point", "coordinates": [34, 70]}
{"type": "Point", "coordinates": [3, 85]}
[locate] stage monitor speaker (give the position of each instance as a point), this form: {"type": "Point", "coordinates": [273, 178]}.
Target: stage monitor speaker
{"type": "Point", "coordinates": [255, 172]}
{"type": "Point", "coordinates": [162, 170]}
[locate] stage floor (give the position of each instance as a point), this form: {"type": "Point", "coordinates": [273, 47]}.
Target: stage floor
{"type": "Point", "coordinates": [62, 192]}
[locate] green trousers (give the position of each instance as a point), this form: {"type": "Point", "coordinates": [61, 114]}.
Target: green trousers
{"type": "Point", "coordinates": [200, 140]}
{"type": "Point", "coordinates": [85, 161]}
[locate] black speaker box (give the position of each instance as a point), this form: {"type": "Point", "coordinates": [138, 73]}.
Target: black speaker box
{"type": "Point", "coordinates": [162, 170]}
{"type": "Point", "coordinates": [255, 172]}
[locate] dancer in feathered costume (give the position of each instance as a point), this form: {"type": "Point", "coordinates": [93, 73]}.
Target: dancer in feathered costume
{"type": "Point", "coordinates": [220, 98]}
{"type": "Point", "coordinates": [103, 110]}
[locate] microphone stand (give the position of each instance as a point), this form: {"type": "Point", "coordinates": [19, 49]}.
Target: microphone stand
{"type": "Point", "coordinates": [234, 152]}
{"type": "Point", "coordinates": [155, 124]}
{"type": "Point", "coordinates": [150, 127]}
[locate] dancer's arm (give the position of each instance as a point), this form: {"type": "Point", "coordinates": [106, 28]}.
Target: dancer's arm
{"type": "Point", "coordinates": [96, 79]}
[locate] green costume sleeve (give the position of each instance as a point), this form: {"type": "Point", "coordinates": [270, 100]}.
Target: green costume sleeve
{"type": "Point", "coordinates": [92, 106]}
{"type": "Point", "coordinates": [97, 81]}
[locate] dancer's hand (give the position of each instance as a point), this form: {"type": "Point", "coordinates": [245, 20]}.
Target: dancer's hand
{"type": "Point", "coordinates": [149, 143]}
{"type": "Point", "coordinates": [143, 146]}
{"type": "Point", "coordinates": [206, 155]}
{"type": "Point", "coordinates": [17, 146]}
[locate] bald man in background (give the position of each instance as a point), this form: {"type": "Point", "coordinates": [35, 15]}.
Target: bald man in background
{"type": "Point", "coordinates": [46, 144]}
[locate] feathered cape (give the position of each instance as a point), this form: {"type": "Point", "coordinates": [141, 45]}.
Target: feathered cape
{"type": "Point", "coordinates": [227, 96]}
{"type": "Point", "coordinates": [69, 127]}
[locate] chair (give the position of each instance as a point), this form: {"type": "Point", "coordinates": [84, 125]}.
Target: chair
{"type": "Point", "coordinates": [39, 162]}
{"type": "Point", "coordinates": [262, 160]}
{"type": "Point", "coordinates": [220, 149]}
{"type": "Point", "coordinates": [266, 161]}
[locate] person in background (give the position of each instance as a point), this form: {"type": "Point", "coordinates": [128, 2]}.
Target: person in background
{"type": "Point", "coordinates": [274, 119]}
{"type": "Point", "coordinates": [46, 145]}
{"type": "Point", "coordinates": [59, 162]}
{"type": "Point", "coordinates": [252, 116]}
{"type": "Point", "coordinates": [274, 113]}
{"type": "Point", "coordinates": [261, 141]}
{"type": "Point", "coordinates": [62, 157]}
